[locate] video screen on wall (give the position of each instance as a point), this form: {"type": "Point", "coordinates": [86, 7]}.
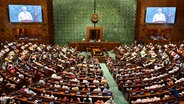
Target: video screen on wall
{"type": "Point", "coordinates": [160, 15]}
{"type": "Point", "coordinates": [25, 13]}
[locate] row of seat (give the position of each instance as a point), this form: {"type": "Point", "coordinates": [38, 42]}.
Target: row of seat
{"type": "Point", "coordinates": [142, 72]}
{"type": "Point", "coordinates": [34, 62]}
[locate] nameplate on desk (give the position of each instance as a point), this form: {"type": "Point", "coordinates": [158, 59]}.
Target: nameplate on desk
{"type": "Point", "coordinates": [99, 94]}
{"type": "Point", "coordinates": [160, 90]}
{"type": "Point", "coordinates": [78, 83]}
{"type": "Point", "coordinates": [88, 93]}
{"type": "Point", "coordinates": [126, 84]}
{"type": "Point", "coordinates": [78, 93]}
{"type": "Point", "coordinates": [51, 103]}
{"type": "Point", "coordinates": [30, 98]}
{"type": "Point", "coordinates": [37, 86]}
{"type": "Point", "coordinates": [105, 85]}
{"type": "Point", "coordinates": [97, 84]}
{"type": "Point", "coordinates": [20, 96]}
{"type": "Point", "coordinates": [47, 88]}
{"type": "Point", "coordinates": [109, 94]}
{"type": "Point", "coordinates": [32, 85]}
{"type": "Point", "coordinates": [133, 93]}
{"type": "Point", "coordinates": [141, 93]}
{"type": "Point", "coordinates": [55, 90]}
{"type": "Point", "coordinates": [66, 91]}
{"type": "Point", "coordinates": [69, 82]}
{"type": "Point", "coordinates": [152, 92]}
{"type": "Point", "coordinates": [39, 101]}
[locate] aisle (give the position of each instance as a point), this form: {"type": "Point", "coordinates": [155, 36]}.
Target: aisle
{"type": "Point", "coordinates": [118, 97]}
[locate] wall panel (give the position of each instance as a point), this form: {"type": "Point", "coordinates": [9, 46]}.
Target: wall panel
{"type": "Point", "coordinates": [174, 32]}
{"type": "Point", "coordinates": [72, 17]}
{"type": "Point", "coordinates": [7, 28]}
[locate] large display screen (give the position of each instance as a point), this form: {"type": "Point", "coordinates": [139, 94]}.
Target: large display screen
{"type": "Point", "coordinates": [160, 15]}
{"type": "Point", "coordinates": [25, 13]}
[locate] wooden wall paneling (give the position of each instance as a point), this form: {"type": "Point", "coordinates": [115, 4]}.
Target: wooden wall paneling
{"type": "Point", "coordinates": [50, 28]}
{"type": "Point", "coordinates": [174, 31]}
{"type": "Point", "coordinates": [44, 29]}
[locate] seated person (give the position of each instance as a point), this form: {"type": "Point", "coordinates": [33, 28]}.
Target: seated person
{"type": "Point", "coordinates": [28, 91]}
{"type": "Point", "coordinates": [174, 92]}
{"type": "Point", "coordinates": [74, 80]}
{"type": "Point", "coordinates": [65, 87]}
{"type": "Point", "coordinates": [12, 101]}
{"type": "Point", "coordinates": [106, 89]}
{"type": "Point", "coordinates": [85, 81]}
{"type": "Point", "coordinates": [75, 99]}
{"type": "Point", "coordinates": [97, 89]}
{"type": "Point", "coordinates": [65, 99]}
{"type": "Point", "coordinates": [55, 76]}
{"type": "Point", "coordinates": [87, 99]}
{"type": "Point", "coordinates": [170, 83]}
{"type": "Point", "coordinates": [96, 81]}
{"type": "Point", "coordinates": [20, 75]}
{"type": "Point", "coordinates": [57, 85]}
{"type": "Point", "coordinates": [110, 101]}
{"type": "Point", "coordinates": [99, 102]}
{"type": "Point", "coordinates": [86, 88]}
{"type": "Point", "coordinates": [23, 89]}
{"type": "Point", "coordinates": [41, 81]}
{"type": "Point", "coordinates": [4, 98]}
{"type": "Point", "coordinates": [11, 85]}
{"type": "Point", "coordinates": [75, 88]}
{"type": "Point", "coordinates": [1, 78]}
{"type": "Point", "coordinates": [104, 80]}
{"type": "Point", "coordinates": [52, 96]}
{"type": "Point", "coordinates": [44, 94]}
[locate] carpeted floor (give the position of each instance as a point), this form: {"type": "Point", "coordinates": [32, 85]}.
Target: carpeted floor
{"type": "Point", "coordinates": [118, 97]}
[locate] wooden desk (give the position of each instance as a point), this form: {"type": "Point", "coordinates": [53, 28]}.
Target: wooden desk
{"type": "Point", "coordinates": [81, 46]}
{"type": "Point", "coordinates": [70, 94]}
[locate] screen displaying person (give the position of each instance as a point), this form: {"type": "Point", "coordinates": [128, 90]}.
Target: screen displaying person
{"type": "Point", "coordinates": [159, 17]}
{"type": "Point", "coordinates": [25, 16]}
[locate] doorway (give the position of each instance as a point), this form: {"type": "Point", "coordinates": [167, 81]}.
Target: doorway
{"type": "Point", "coordinates": [94, 33]}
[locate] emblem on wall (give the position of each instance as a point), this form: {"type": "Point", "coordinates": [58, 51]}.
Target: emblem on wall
{"type": "Point", "coordinates": [94, 18]}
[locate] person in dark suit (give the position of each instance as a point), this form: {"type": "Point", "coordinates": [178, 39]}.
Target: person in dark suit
{"type": "Point", "coordinates": [174, 92]}
{"type": "Point", "coordinates": [88, 99]}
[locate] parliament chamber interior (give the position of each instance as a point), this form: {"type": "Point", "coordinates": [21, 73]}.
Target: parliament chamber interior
{"type": "Point", "coordinates": [91, 52]}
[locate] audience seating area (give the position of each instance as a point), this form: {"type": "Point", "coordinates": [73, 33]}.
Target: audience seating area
{"type": "Point", "coordinates": [147, 73]}
{"type": "Point", "coordinates": [51, 74]}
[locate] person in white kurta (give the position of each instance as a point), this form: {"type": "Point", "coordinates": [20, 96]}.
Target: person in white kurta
{"type": "Point", "coordinates": [25, 15]}
{"type": "Point", "coordinates": [159, 17]}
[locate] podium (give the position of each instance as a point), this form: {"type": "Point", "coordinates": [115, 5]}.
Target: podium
{"type": "Point", "coordinates": [159, 21]}
{"type": "Point", "coordinates": [26, 21]}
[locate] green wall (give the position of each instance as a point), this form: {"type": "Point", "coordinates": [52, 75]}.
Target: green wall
{"type": "Point", "coordinates": [71, 17]}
